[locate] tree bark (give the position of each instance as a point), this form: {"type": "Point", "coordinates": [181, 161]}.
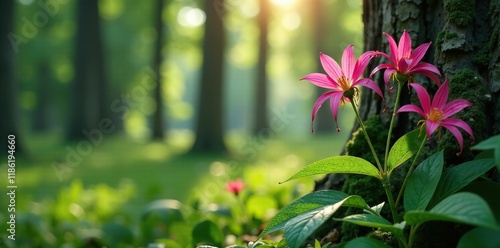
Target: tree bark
{"type": "Point", "coordinates": [42, 108]}
{"type": "Point", "coordinates": [8, 84]}
{"type": "Point", "coordinates": [261, 118]}
{"type": "Point", "coordinates": [89, 96]}
{"type": "Point", "coordinates": [158, 123]}
{"type": "Point", "coordinates": [209, 123]}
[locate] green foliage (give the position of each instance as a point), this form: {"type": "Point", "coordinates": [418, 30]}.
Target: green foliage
{"type": "Point", "coordinates": [404, 148]}
{"type": "Point", "coordinates": [466, 208]}
{"type": "Point", "coordinates": [423, 182]}
{"type": "Point", "coordinates": [459, 176]}
{"type": "Point", "coordinates": [208, 233]}
{"type": "Point", "coordinates": [460, 12]}
{"type": "Point", "coordinates": [480, 237]}
{"type": "Point", "coordinates": [493, 143]}
{"type": "Point", "coordinates": [338, 164]}
{"type": "Point", "coordinates": [365, 242]}
{"type": "Point", "coordinates": [374, 221]}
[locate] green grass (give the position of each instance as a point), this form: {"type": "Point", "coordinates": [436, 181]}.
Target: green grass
{"type": "Point", "coordinates": [162, 170]}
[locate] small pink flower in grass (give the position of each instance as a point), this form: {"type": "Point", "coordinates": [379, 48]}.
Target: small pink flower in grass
{"type": "Point", "coordinates": [235, 187]}
{"type": "Point", "coordinates": [405, 62]}
{"type": "Point", "coordinates": [341, 81]}
{"type": "Point", "coordinates": [437, 114]}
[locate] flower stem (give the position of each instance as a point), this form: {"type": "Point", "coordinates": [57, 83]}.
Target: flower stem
{"type": "Point", "coordinates": [391, 125]}
{"type": "Point", "coordinates": [412, 167]}
{"type": "Point", "coordinates": [413, 230]}
{"type": "Point", "coordinates": [387, 186]}
{"type": "Point", "coordinates": [363, 128]}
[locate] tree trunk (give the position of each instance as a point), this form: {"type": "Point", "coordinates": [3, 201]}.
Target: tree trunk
{"type": "Point", "coordinates": [89, 104]}
{"type": "Point", "coordinates": [8, 86]}
{"type": "Point", "coordinates": [209, 123]}
{"type": "Point", "coordinates": [261, 119]}
{"type": "Point", "coordinates": [466, 49]}
{"type": "Point", "coordinates": [42, 108]}
{"type": "Point", "coordinates": [158, 114]}
{"type": "Point", "coordinates": [324, 121]}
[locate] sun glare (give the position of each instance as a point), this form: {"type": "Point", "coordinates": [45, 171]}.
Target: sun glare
{"type": "Point", "coordinates": [283, 2]}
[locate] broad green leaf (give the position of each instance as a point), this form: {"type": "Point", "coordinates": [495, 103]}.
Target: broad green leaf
{"type": "Point", "coordinates": [299, 228]}
{"type": "Point", "coordinates": [208, 233]}
{"type": "Point", "coordinates": [460, 176]}
{"type": "Point", "coordinates": [370, 220]}
{"type": "Point", "coordinates": [491, 143]}
{"type": "Point", "coordinates": [480, 237]}
{"type": "Point", "coordinates": [365, 242]}
{"type": "Point", "coordinates": [404, 148]}
{"type": "Point", "coordinates": [422, 182]}
{"type": "Point", "coordinates": [304, 204]}
{"type": "Point", "coordinates": [464, 207]}
{"type": "Point", "coordinates": [338, 164]}
{"type": "Point", "coordinates": [377, 208]}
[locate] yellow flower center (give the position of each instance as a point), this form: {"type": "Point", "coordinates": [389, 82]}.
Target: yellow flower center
{"type": "Point", "coordinates": [435, 115]}
{"type": "Point", "coordinates": [345, 84]}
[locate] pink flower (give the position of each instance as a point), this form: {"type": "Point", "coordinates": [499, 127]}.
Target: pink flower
{"type": "Point", "coordinates": [235, 187]}
{"type": "Point", "coordinates": [437, 114]}
{"type": "Point", "coordinates": [341, 81]}
{"type": "Point", "coordinates": [405, 62]}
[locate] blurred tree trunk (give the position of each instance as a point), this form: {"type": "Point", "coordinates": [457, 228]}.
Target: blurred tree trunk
{"type": "Point", "coordinates": [9, 125]}
{"type": "Point", "coordinates": [158, 114]}
{"type": "Point", "coordinates": [43, 92]}
{"type": "Point", "coordinates": [89, 97]}
{"type": "Point", "coordinates": [209, 122]}
{"type": "Point", "coordinates": [324, 122]}
{"type": "Point", "coordinates": [466, 48]}
{"type": "Point", "coordinates": [261, 118]}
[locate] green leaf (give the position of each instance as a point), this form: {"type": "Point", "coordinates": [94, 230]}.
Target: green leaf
{"type": "Point", "coordinates": [404, 148]}
{"type": "Point", "coordinates": [480, 237]}
{"type": "Point", "coordinates": [464, 207]}
{"type": "Point", "coordinates": [208, 233]}
{"type": "Point", "coordinates": [370, 220]}
{"type": "Point", "coordinates": [491, 143]}
{"type": "Point", "coordinates": [422, 183]}
{"type": "Point", "coordinates": [304, 204]}
{"type": "Point", "coordinates": [365, 242]}
{"type": "Point", "coordinates": [460, 176]}
{"type": "Point", "coordinates": [338, 164]}
{"type": "Point", "coordinates": [299, 228]}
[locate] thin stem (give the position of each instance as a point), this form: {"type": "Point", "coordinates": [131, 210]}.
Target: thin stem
{"type": "Point", "coordinates": [387, 186]}
{"type": "Point", "coordinates": [391, 125]}
{"type": "Point", "coordinates": [379, 165]}
{"type": "Point", "coordinates": [412, 167]}
{"type": "Point", "coordinates": [413, 230]}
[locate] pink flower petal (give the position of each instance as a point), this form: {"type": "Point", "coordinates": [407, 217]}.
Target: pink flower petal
{"type": "Point", "coordinates": [427, 70]}
{"type": "Point", "coordinates": [454, 107]}
{"type": "Point", "coordinates": [393, 48]}
{"type": "Point", "coordinates": [334, 105]}
{"type": "Point", "coordinates": [331, 66]}
{"type": "Point", "coordinates": [387, 75]}
{"type": "Point", "coordinates": [411, 108]}
{"type": "Point", "coordinates": [419, 53]}
{"type": "Point", "coordinates": [321, 80]}
{"type": "Point", "coordinates": [404, 46]}
{"type": "Point", "coordinates": [453, 130]}
{"type": "Point", "coordinates": [348, 61]}
{"type": "Point", "coordinates": [441, 96]}
{"type": "Point", "coordinates": [319, 102]}
{"type": "Point", "coordinates": [458, 123]}
{"type": "Point", "coordinates": [423, 97]}
{"type": "Point", "coordinates": [403, 66]}
{"type": "Point", "coordinates": [380, 67]}
{"type": "Point", "coordinates": [362, 63]}
{"type": "Point", "coordinates": [431, 127]}
{"type": "Point", "coordinates": [368, 83]}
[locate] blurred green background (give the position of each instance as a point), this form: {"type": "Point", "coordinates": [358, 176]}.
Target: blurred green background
{"type": "Point", "coordinates": [121, 171]}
